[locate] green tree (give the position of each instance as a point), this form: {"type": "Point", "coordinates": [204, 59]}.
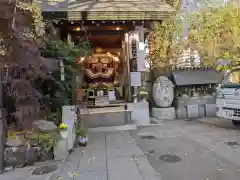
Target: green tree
{"type": "Point", "coordinates": [20, 58]}
{"type": "Point", "coordinates": [166, 42]}
{"type": "Point", "coordinates": [68, 54]}
{"type": "Point", "coordinates": [22, 33]}
{"type": "Point", "coordinates": [215, 32]}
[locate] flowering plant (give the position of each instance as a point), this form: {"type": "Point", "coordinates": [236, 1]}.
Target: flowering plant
{"type": "Point", "coordinates": [143, 93]}
{"type": "Point", "coordinates": [63, 126]}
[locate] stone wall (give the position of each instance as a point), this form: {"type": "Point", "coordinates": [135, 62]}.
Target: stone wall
{"type": "Point", "coordinates": [24, 149]}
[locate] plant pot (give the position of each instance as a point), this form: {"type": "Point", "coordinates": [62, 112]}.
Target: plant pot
{"type": "Point", "coordinates": [82, 140]}
{"type": "Point", "coordinates": [144, 99]}
{"type": "Point", "coordinates": [135, 99]}
{"type": "Point", "coordinates": [64, 134]}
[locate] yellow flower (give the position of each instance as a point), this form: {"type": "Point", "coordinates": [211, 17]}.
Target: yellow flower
{"type": "Point", "coordinates": [143, 93]}
{"type": "Point", "coordinates": [63, 126]}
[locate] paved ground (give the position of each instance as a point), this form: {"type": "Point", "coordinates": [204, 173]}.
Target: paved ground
{"type": "Point", "coordinates": [26, 172]}
{"type": "Point", "coordinates": [206, 149]}
{"type": "Point", "coordinates": [108, 156]}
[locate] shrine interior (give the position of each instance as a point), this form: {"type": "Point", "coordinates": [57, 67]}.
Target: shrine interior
{"type": "Point", "coordinates": [104, 70]}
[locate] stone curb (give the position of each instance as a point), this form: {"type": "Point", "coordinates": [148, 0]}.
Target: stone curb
{"type": "Point", "coordinates": [149, 125]}
{"type": "Point", "coordinates": [114, 128]}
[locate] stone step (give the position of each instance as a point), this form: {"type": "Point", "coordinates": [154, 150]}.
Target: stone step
{"type": "Point", "coordinates": [106, 118]}
{"type": "Point", "coordinates": [101, 100]}
{"type": "Point", "coordinates": [164, 113]}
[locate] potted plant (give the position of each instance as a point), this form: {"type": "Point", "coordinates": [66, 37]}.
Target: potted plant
{"type": "Point", "coordinates": [63, 130]}
{"type": "Point", "coordinates": [135, 98]}
{"type": "Point", "coordinates": [46, 141]}
{"type": "Point", "coordinates": [143, 96]}
{"type": "Point", "coordinates": [81, 136]}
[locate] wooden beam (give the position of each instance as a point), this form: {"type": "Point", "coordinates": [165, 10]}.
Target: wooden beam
{"type": "Point", "coordinates": [99, 33]}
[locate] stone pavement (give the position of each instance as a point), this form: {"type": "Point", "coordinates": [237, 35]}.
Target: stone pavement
{"type": "Point", "coordinates": [192, 150]}
{"type": "Point", "coordinates": [218, 122]}
{"type": "Point", "coordinates": [205, 149]}
{"type": "Point", "coordinates": [108, 156]}
{"type": "Point", "coordinates": [26, 172]}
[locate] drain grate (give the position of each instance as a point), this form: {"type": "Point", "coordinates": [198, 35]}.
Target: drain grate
{"type": "Point", "coordinates": [232, 143]}
{"type": "Point", "coordinates": [44, 170]}
{"type": "Point", "coordinates": [148, 137]}
{"type": "Point", "coordinates": [170, 158]}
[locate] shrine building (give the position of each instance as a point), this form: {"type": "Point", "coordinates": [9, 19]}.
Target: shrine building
{"type": "Point", "coordinates": [117, 31]}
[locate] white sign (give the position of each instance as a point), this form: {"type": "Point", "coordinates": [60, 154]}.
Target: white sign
{"type": "Point", "coordinates": [136, 79]}
{"type": "Point", "coordinates": [141, 67]}
{"type": "Point", "coordinates": [111, 95]}
{"type": "Point", "coordinates": [141, 46]}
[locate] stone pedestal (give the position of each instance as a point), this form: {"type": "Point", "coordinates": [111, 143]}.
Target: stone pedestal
{"type": "Point", "coordinates": [60, 150]}
{"type": "Point", "coordinates": [201, 110]}
{"type": "Point", "coordinates": [192, 111]}
{"type": "Point", "coordinates": [181, 112]}
{"type": "Point", "coordinates": [140, 113]}
{"type": "Point", "coordinates": [164, 113]}
{"type": "Point", "coordinates": [69, 116]}
{"type": "Point", "coordinates": [211, 110]}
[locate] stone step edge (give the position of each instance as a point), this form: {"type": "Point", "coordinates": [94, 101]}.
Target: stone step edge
{"type": "Point", "coordinates": [126, 127]}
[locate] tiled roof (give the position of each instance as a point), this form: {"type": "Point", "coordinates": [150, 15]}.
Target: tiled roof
{"type": "Point", "coordinates": [111, 9]}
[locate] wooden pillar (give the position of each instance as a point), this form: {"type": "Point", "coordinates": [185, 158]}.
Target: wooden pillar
{"type": "Point", "coordinates": [3, 127]}
{"type": "Point", "coordinates": [74, 74]}
{"type": "Point", "coordinates": [151, 73]}
{"type": "Point", "coordinates": [63, 31]}
{"type": "Point", "coordinates": [126, 52]}
{"type": "Point", "coordinates": [140, 49]}
{"type": "Point", "coordinates": [69, 39]}
{"type": "Point", "coordinates": [139, 30]}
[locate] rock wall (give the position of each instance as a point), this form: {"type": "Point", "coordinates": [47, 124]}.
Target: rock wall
{"type": "Point", "coordinates": [25, 149]}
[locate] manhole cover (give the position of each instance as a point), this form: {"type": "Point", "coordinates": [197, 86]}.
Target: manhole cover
{"type": "Point", "coordinates": [44, 170]}
{"type": "Point", "coordinates": [170, 158]}
{"type": "Point", "coordinates": [148, 137]}
{"type": "Point", "coordinates": [232, 143]}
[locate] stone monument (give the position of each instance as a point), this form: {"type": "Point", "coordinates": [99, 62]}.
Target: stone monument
{"type": "Point", "coordinates": [163, 94]}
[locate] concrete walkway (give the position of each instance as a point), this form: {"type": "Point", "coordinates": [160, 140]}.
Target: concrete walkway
{"type": "Point", "coordinates": [26, 172]}
{"type": "Point", "coordinates": [205, 149]}
{"type": "Point", "coordinates": [108, 156]}
{"type": "Point", "coordinates": [192, 150]}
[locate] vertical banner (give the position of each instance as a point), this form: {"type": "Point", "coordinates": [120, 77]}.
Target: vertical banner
{"type": "Point", "coordinates": [141, 66]}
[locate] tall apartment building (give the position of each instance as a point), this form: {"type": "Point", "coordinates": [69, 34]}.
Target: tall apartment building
{"type": "Point", "coordinates": [189, 59]}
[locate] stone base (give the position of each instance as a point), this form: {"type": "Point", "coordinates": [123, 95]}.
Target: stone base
{"type": "Point", "coordinates": [164, 113]}
{"type": "Point", "coordinates": [140, 113]}
{"type": "Point", "coordinates": [106, 119]}
{"type": "Point", "coordinates": [181, 112]}
{"type": "Point", "coordinates": [211, 110]}
{"type": "Point", "coordinates": [192, 111]}
{"type": "Point", "coordinates": [201, 110]}
{"type": "Point", "coordinates": [60, 150]}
